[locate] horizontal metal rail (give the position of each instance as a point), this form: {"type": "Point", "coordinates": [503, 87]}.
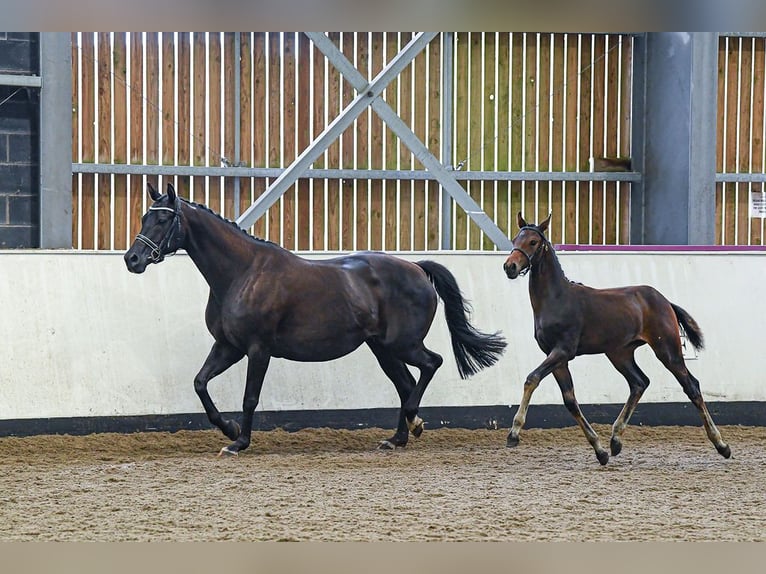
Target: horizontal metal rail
{"type": "Point", "coordinates": [376, 174]}
{"type": "Point", "coordinates": [20, 81]}
{"type": "Point", "coordinates": [740, 177]}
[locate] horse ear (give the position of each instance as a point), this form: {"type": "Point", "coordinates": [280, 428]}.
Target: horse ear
{"type": "Point", "coordinates": [544, 225]}
{"type": "Point", "coordinates": [171, 193]}
{"type": "Point", "coordinates": [153, 193]}
{"type": "Point", "coordinates": [520, 220]}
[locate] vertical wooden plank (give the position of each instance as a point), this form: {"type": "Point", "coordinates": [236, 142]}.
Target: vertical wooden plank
{"type": "Point", "coordinates": [184, 118]}
{"type": "Point", "coordinates": [720, 127]}
{"type": "Point", "coordinates": [376, 151]}
{"type": "Point", "coordinates": [362, 148]}
{"type": "Point", "coordinates": [153, 109]}
{"type": "Point", "coordinates": [334, 98]}
{"type": "Point", "coordinates": [598, 145]}
{"type": "Point", "coordinates": [759, 86]}
{"type": "Point", "coordinates": [557, 139]}
{"type": "Point", "coordinates": [348, 218]}
{"type": "Point", "coordinates": [505, 220]}
{"type": "Point", "coordinates": [611, 125]}
{"type": "Point", "coordinates": [105, 192]}
{"type": "Point", "coordinates": [489, 128]}
{"type": "Point", "coordinates": [215, 152]}
{"type": "Point", "coordinates": [433, 126]}
{"type": "Point", "coordinates": [88, 138]}
{"type": "Point", "coordinates": [137, 114]}
{"type": "Point", "coordinates": [517, 126]}
{"type": "Point", "coordinates": [199, 120]}
{"type": "Point", "coordinates": [626, 117]}
{"type": "Point", "coordinates": [168, 98]}
{"type": "Point", "coordinates": [230, 68]}
{"type": "Point", "coordinates": [544, 122]}
{"type": "Point", "coordinates": [530, 124]}
{"type": "Point", "coordinates": [571, 115]}
{"type": "Point", "coordinates": [120, 143]}
{"type": "Point", "coordinates": [475, 124]}
{"type": "Point", "coordinates": [460, 139]}
{"type": "Point", "coordinates": [405, 156]}
{"type": "Point", "coordinates": [730, 160]}
{"type": "Point", "coordinates": [253, 62]}
{"type": "Point", "coordinates": [76, 144]}
{"type": "Point", "coordinates": [743, 143]}
{"type": "Point", "coordinates": [584, 148]}
{"type": "Point", "coordinates": [419, 97]}
{"type": "Point", "coordinates": [390, 190]}
{"type": "Point", "coordinates": [320, 109]}
{"type": "Point", "coordinates": [288, 127]}
{"type": "Point", "coordinates": [303, 104]}
{"type": "Point", "coordinates": [276, 158]}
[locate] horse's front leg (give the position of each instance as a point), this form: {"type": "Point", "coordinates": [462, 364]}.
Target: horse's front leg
{"type": "Point", "coordinates": [554, 358]}
{"type": "Point", "coordinates": [220, 358]}
{"type": "Point", "coordinates": [257, 364]}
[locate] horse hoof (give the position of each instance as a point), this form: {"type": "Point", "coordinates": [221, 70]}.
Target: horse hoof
{"type": "Point", "coordinates": [615, 446]}
{"type": "Point", "coordinates": [603, 457]}
{"type": "Point", "coordinates": [386, 445]}
{"type": "Point", "coordinates": [724, 451]}
{"type": "Point", "coordinates": [226, 452]}
{"type": "Point", "coordinates": [418, 430]}
{"type": "Point", "coordinates": [512, 441]}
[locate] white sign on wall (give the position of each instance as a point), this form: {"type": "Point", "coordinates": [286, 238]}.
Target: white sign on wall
{"type": "Point", "coordinates": [758, 204]}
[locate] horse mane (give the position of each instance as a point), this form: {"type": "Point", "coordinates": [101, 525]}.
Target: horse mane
{"type": "Point", "coordinates": [225, 220]}
{"type": "Point", "coordinates": [554, 256]}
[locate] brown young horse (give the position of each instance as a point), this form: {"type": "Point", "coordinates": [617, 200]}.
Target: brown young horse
{"type": "Point", "coordinates": [572, 319]}
{"type": "Point", "coordinates": [267, 302]}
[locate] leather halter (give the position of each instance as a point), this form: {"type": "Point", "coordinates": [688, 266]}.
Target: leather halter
{"type": "Point", "coordinates": [543, 244]}
{"type": "Point", "coordinates": [161, 249]}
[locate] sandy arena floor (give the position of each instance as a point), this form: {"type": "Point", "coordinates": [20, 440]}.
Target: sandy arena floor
{"type": "Point", "coordinates": [451, 484]}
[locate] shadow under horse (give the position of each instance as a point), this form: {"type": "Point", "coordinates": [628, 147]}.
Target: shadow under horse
{"type": "Point", "coordinates": [572, 319]}
{"type": "Point", "coordinates": [267, 302]}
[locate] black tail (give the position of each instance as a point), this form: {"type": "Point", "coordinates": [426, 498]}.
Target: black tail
{"type": "Point", "coordinates": [692, 330]}
{"type": "Point", "coordinates": [473, 349]}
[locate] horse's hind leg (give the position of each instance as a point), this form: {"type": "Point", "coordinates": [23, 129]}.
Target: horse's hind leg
{"type": "Point", "coordinates": [674, 362]}
{"type": "Point", "coordinates": [624, 361]}
{"type": "Point", "coordinates": [564, 379]}
{"type": "Point", "coordinates": [220, 358]}
{"type": "Point", "coordinates": [404, 382]}
{"type": "Point", "coordinates": [427, 362]}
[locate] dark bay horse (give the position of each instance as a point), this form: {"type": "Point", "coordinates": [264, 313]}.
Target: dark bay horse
{"type": "Point", "coordinates": [571, 319]}
{"type": "Point", "coordinates": [268, 302]}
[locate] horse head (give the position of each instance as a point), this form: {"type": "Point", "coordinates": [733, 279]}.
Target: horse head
{"type": "Point", "coordinates": [161, 231]}
{"type": "Point", "coordinates": [526, 247]}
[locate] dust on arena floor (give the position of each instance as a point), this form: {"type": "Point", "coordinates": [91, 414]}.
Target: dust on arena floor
{"type": "Point", "coordinates": [323, 484]}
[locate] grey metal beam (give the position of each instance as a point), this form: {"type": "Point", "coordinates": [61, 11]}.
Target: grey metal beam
{"type": "Point", "coordinates": [418, 148]}
{"type": "Point", "coordinates": [382, 174]}
{"type": "Point", "coordinates": [20, 81]}
{"type": "Point", "coordinates": [366, 95]}
{"type": "Point", "coordinates": [675, 77]}
{"type": "Point", "coordinates": [55, 140]}
{"type": "Point", "coordinates": [638, 139]}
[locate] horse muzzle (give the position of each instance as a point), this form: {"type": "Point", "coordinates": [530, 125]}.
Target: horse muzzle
{"type": "Point", "coordinates": [134, 262]}
{"type": "Point", "coordinates": [511, 268]}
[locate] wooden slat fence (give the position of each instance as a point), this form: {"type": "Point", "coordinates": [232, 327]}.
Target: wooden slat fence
{"type": "Point", "coordinates": [522, 101]}
{"type": "Point", "coordinates": [741, 132]}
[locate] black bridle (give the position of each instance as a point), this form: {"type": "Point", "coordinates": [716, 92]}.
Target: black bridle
{"type": "Point", "coordinates": [161, 249]}
{"type": "Point", "coordinates": [530, 258]}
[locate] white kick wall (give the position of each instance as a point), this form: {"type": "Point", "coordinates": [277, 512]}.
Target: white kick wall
{"type": "Point", "coordinates": [83, 337]}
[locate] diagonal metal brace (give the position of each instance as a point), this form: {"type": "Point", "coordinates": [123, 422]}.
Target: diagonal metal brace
{"type": "Point", "coordinates": [365, 96]}
{"type": "Point", "coordinates": [418, 148]}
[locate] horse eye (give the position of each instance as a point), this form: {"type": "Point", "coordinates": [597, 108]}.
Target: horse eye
{"type": "Point", "coordinates": [533, 242]}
